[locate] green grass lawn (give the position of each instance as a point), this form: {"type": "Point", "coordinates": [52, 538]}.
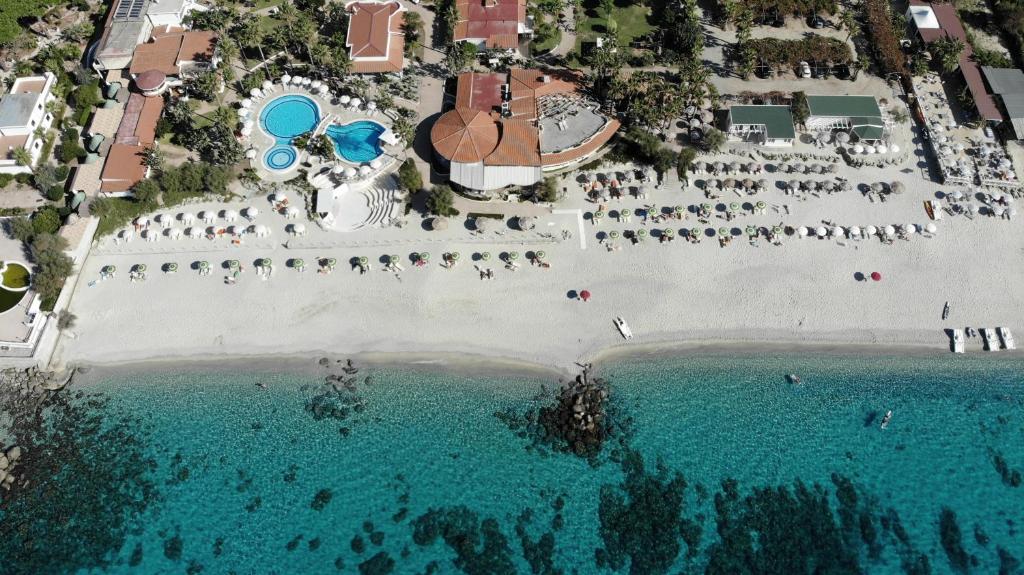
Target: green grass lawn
{"type": "Point", "coordinates": [631, 19]}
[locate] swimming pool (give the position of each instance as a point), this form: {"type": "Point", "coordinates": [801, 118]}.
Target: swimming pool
{"type": "Point", "coordinates": [357, 142]}
{"type": "Point", "coordinates": [283, 119]}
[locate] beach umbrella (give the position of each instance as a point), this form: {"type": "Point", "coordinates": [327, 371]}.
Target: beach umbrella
{"type": "Point", "coordinates": [854, 231]}
{"type": "Point", "coordinates": [266, 263]}
{"type": "Point", "coordinates": [171, 267]}
{"type": "Point", "coordinates": [163, 219]}
{"type": "Point", "coordinates": [734, 167]}
{"type": "Point", "coordinates": [375, 164]}
{"type": "Point", "coordinates": [141, 268]}
{"type": "Point", "coordinates": [777, 230]}
{"type": "Point", "coordinates": [641, 234]}
{"type": "Point", "coordinates": [876, 276]}
{"type": "Point", "coordinates": [802, 231]}
{"type": "Point", "coordinates": [513, 256]}
{"type": "Point", "coordinates": [845, 186]}
{"type": "Point", "coordinates": [108, 270]}
{"type": "Point", "coordinates": [207, 216]}
{"type": "Point", "coordinates": [668, 232]}
{"type": "Point", "coordinates": [481, 224]}
{"type": "Point", "coordinates": [486, 256]}
{"type": "Point", "coordinates": [762, 184]}
{"type": "Point", "coordinates": [897, 187]}
{"type": "Point", "coordinates": [174, 233]}
{"type": "Point", "coordinates": [204, 265]}
{"type": "Point", "coordinates": [233, 265]}
{"type": "Point", "coordinates": [362, 260]}
{"type": "Point", "coordinates": [909, 229]}
{"type": "Point", "coordinates": [251, 212]}
{"type": "Point", "coordinates": [890, 231]}
{"type": "Point", "coordinates": [838, 232]}
{"type": "Point", "coordinates": [723, 232]}
{"type": "Point", "coordinates": [751, 230]}
{"type": "Point", "coordinates": [299, 264]}
{"type": "Point", "coordinates": [150, 235]}
{"type": "Point", "coordinates": [760, 205]}
{"type": "Point", "coordinates": [259, 230]}
{"type": "Point", "coordinates": [706, 207]}
{"type": "Point", "coordinates": [597, 216]}
{"type": "Point", "coordinates": [286, 79]}
{"type": "Point", "coordinates": [278, 196]}
{"type": "Point", "coordinates": [194, 232]}
{"type": "Point", "coordinates": [299, 229]}
{"type": "Point", "coordinates": [345, 99]}
{"type": "Point", "coordinates": [142, 222]}
{"type": "Point", "coordinates": [438, 223]}
{"type": "Point", "coordinates": [734, 207]}
{"type": "Point", "coordinates": [678, 210]}
{"type": "Point", "coordinates": [729, 183]}
{"type": "Point", "coordinates": [331, 262]}
{"type": "Point", "coordinates": [877, 187]}
{"type": "Point", "coordinates": [798, 168]}
{"type": "Point", "coordinates": [585, 295]}
{"type": "Point", "coordinates": [246, 131]}
{"type": "Point", "coordinates": [291, 213]}
{"type": "Point", "coordinates": [930, 228]}
{"type": "Point", "coordinates": [423, 257]}
{"type": "Point", "coordinates": [871, 230]}
{"type": "Point", "coordinates": [528, 223]}
{"type": "Point", "coordinates": [793, 184]}
{"type": "Point", "coordinates": [393, 259]}
{"type": "Point", "coordinates": [719, 166]}
{"type": "Point", "coordinates": [125, 235]}
{"type": "Point", "coordinates": [748, 183]}
{"type": "Point", "coordinates": [821, 231]}
{"type": "Point", "coordinates": [816, 168]}
{"type": "Point", "coordinates": [229, 215]}
{"type": "Point", "coordinates": [297, 80]}
{"type": "Point", "coordinates": [694, 232]}
{"type": "Point", "coordinates": [842, 137]}
{"type": "Point", "coordinates": [453, 256]}
{"type": "Point", "coordinates": [614, 235]}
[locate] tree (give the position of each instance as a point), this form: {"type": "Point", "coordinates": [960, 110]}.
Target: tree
{"type": "Point", "coordinates": [404, 129]}
{"type": "Point", "coordinates": [321, 145]}
{"type": "Point", "coordinates": [547, 190]}
{"type": "Point", "coordinates": [23, 158]}
{"type": "Point", "coordinates": [46, 220]}
{"type": "Point", "coordinates": [664, 160]}
{"type": "Point", "coordinates": [948, 52]}
{"type": "Point", "coordinates": [153, 158]}
{"type": "Point", "coordinates": [206, 85]}
{"type": "Point", "coordinates": [459, 56]}
{"type": "Point", "coordinates": [714, 139]}
{"type": "Point", "coordinates": [440, 201]}
{"type": "Point", "coordinates": [849, 22]}
{"type": "Point", "coordinates": [53, 266]}
{"type": "Point", "coordinates": [800, 109]}
{"type": "Point", "coordinates": [21, 228]}
{"type": "Point", "coordinates": [605, 64]}
{"type": "Point", "coordinates": [66, 320]}
{"type": "Point", "coordinates": [681, 30]}
{"type": "Point", "coordinates": [146, 191]}
{"type": "Point", "coordinates": [409, 176]}
{"type": "Point", "coordinates": [412, 27]}
{"type": "Point", "coordinates": [684, 161]}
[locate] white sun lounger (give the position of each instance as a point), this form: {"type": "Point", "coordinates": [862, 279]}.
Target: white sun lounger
{"type": "Point", "coordinates": [1007, 337]}
{"type": "Point", "coordinates": [991, 341]}
{"type": "Point", "coordinates": [958, 341]}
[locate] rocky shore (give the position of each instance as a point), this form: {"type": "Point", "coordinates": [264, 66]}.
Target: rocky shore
{"type": "Point", "coordinates": [22, 392]}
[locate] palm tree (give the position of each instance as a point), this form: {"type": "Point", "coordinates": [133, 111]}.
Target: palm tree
{"type": "Point", "coordinates": [23, 158]}
{"type": "Point", "coordinates": [850, 24]}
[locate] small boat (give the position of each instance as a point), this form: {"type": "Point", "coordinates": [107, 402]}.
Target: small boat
{"type": "Point", "coordinates": [793, 378]}
{"type": "Point", "coordinates": [945, 311]}
{"type": "Point", "coordinates": [1007, 337]}
{"type": "Point", "coordinates": [885, 420]}
{"type": "Point", "coordinates": [991, 341]}
{"type": "Point", "coordinates": [958, 341]}
{"type": "Point", "coordinates": [620, 323]}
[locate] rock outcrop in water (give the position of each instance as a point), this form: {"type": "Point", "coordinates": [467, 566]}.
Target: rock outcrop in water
{"type": "Point", "coordinates": [579, 418]}
{"type": "Point", "coordinates": [338, 398]}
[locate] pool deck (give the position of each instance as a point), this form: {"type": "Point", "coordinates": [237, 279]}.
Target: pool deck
{"type": "Point", "coordinates": [330, 113]}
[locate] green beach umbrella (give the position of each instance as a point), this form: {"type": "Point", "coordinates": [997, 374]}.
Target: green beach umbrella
{"type": "Point", "coordinates": [513, 256]}
{"type": "Point", "coordinates": [694, 232]}
{"type": "Point", "coordinates": [140, 268]}
{"type": "Point", "coordinates": [265, 262]}
{"type": "Point", "coordinates": [678, 209]}
{"type": "Point", "coordinates": [707, 207]}
{"type": "Point", "coordinates": [777, 230]}
{"type": "Point", "coordinates": [751, 230]}
{"type": "Point", "coordinates": [540, 255]}
{"type": "Point", "coordinates": [393, 259]}
{"type": "Point", "coordinates": [454, 256]}
{"type": "Point", "coordinates": [172, 267]}
{"type": "Point", "coordinates": [485, 256]}
{"type": "Point", "coordinates": [614, 235]}
{"type": "Point", "coordinates": [298, 263]}
{"type": "Point", "coordinates": [734, 207]}
{"type": "Point", "coordinates": [599, 214]}
{"type": "Point", "coordinates": [233, 264]}
{"type": "Point", "coordinates": [110, 269]}
{"type": "Point", "coordinates": [424, 256]}
{"type": "Point", "coordinates": [363, 260]}
{"type": "Point", "coordinates": [723, 232]}
{"type": "Point", "coordinates": [642, 233]}
{"type": "Point", "coordinates": [204, 265]}
{"type": "Point", "coordinates": [331, 262]}
{"type": "Point", "coordinates": [760, 205]}
{"type": "Point", "coordinates": [668, 232]}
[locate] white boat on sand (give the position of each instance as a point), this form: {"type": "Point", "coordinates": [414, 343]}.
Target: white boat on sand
{"type": "Point", "coordinates": [1007, 337]}
{"type": "Point", "coordinates": [620, 323]}
{"type": "Point", "coordinates": [991, 341]}
{"type": "Point", "coordinates": [958, 341]}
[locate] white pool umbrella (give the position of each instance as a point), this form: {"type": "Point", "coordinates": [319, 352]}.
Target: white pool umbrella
{"type": "Point", "coordinates": [249, 124]}
{"type": "Point", "coordinates": [881, 149]}
{"type": "Point", "coordinates": [251, 212]}
{"type": "Point", "coordinates": [244, 113]}
{"type": "Point", "coordinates": [306, 81]}
{"type": "Point", "coordinates": [858, 149]}
{"type": "Point", "coordinates": [957, 195]}
{"type": "Point", "coordinates": [838, 232]}
{"type": "Point", "coordinates": [802, 231]}
{"type": "Point", "coordinates": [246, 103]}
{"type": "Point", "coordinates": [345, 99]}
{"type": "Point", "coordinates": [338, 169]}
{"type": "Point", "coordinates": [245, 131]}
{"type": "Point", "coordinates": [894, 148]}
{"type": "Point", "coordinates": [229, 215]}
{"type": "Point", "coordinates": [297, 80]}
{"type": "Point", "coordinates": [355, 102]}
{"type": "Point", "coordinates": [371, 106]}
{"type": "Point", "coordinates": [266, 85]}
{"type": "Point", "coordinates": [365, 170]}
{"type": "Point", "coordinates": [890, 230]}
{"type": "Point", "coordinates": [821, 232]}
{"type": "Point", "coordinates": [350, 172]}
{"type": "Point", "coordinates": [286, 79]}
{"type": "Point", "coordinates": [255, 93]}
{"type": "Point", "coordinates": [869, 149]}
{"type": "Point", "coordinates": [316, 84]}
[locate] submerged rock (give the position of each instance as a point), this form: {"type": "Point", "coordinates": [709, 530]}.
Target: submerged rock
{"type": "Point", "coordinates": [321, 499]}
{"type": "Point", "coordinates": [379, 564]}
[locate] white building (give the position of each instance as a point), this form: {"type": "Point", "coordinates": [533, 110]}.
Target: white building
{"type": "Point", "coordinates": [170, 13]}
{"type": "Point", "coordinates": [22, 113]}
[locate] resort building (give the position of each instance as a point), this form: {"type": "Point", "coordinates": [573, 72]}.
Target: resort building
{"type": "Point", "coordinates": [130, 23]}
{"type": "Point", "coordinates": [508, 129]}
{"type": "Point", "coordinates": [1007, 84]}
{"type": "Point", "coordinates": [375, 40]}
{"type": "Point", "coordinates": [171, 55]}
{"type": "Point", "coordinates": [125, 165]}
{"type": "Point", "coordinates": [858, 114]}
{"type": "Point", "coordinates": [933, 22]}
{"type": "Point", "coordinates": [22, 113]}
{"type": "Point", "coordinates": [492, 24]}
{"type": "Point", "coordinates": [766, 125]}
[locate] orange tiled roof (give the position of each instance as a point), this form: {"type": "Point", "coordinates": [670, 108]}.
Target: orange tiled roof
{"type": "Point", "coordinates": [494, 21]}
{"type": "Point", "coordinates": [375, 32]}
{"type": "Point", "coordinates": [124, 168]}
{"type": "Point", "coordinates": [519, 145]}
{"type": "Point", "coordinates": [464, 135]}
{"type": "Point", "coordinates": [168, 49]}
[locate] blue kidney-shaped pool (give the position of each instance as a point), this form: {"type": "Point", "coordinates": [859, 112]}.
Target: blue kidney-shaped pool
{"type": "Point", "coordinates": [357, 142]}
{"type": "Point", "coordinates": [284, 118]}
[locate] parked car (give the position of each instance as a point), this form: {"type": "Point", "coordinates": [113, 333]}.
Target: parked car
{"type": "Point", "coordinates": [805, 70]}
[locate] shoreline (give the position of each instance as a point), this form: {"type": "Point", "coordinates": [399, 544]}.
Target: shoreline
{"type": "Point", "coordinates": [473, 364]}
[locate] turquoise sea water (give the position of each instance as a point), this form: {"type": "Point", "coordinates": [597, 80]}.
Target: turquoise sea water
{"type": "Point", "coordinates": [247, 480]}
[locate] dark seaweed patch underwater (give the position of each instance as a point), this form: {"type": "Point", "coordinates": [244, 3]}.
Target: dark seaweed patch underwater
{"type": "Point", "coordinates": [205, 473]}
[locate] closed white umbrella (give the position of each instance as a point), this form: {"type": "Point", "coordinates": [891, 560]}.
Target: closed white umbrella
{"type": "Point", "coordinates": [821, 232]}
{"type": "Point", "coordinates": [802, 231]}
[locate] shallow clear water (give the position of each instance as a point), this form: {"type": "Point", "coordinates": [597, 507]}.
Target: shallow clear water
{"type": "Point", "coordinates": [288, 116]}
{"type": "Point", "coordinates": [357, 142]}
{"type": "Point", "coordinates": [431, 440]}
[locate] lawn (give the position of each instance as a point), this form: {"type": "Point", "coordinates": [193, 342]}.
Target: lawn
{"type": "Point", "coordinates": [631, 19]}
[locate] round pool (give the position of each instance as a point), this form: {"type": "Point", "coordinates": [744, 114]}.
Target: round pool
{"type": "Point", "coordinates": [289, 116]}
{"type": "Point", "coordinates": [357, 142]}
{"type": "Point", "coordinates": [280, 157]}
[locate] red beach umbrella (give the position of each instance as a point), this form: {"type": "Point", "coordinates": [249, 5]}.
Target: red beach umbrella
{"type": "Point", "coordinates": [876, 276]}
{"type": "Point", "coordinates": [585, 295]}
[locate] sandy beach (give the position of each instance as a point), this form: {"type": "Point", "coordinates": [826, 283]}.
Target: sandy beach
{"type": "Point", "coordinates": [804, 291]}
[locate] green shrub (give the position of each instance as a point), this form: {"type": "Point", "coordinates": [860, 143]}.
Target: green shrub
{"type": "Point", "coordinates": [6, 179]}
{"type": "Point", "coordinates": [46, 220]}
{"type": "Point", "coordinates": [55, 193]}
